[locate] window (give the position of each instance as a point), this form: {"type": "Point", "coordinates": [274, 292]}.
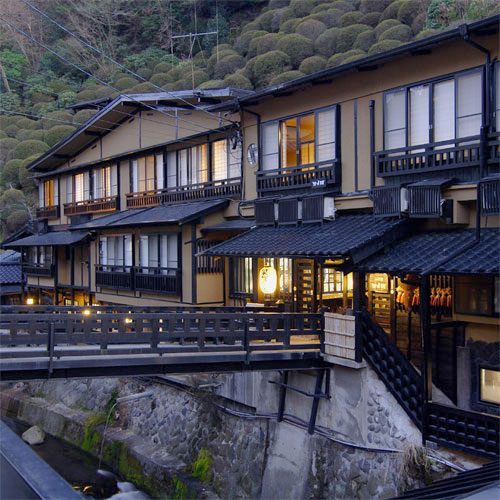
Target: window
{"type": "Point", "coordinates": [242, 276]}
{"type": "Point", "coordinates": [333, 280]}
{"type": "Point", "coordinates": [490, 386]}
{"type": "Point", "coordinates": [299, 141]}
{"type": "Point", "coordinates": [190, 166]}
{"type": "Point", "coordinates": [158, 252]}
{"type": "Point", "coordinates": [40, 255]}
{"type": "Point", "coordinates": [105, 182]}
{"type": "Point", "coordinates": [433, 112]}
{"type": "Point", "coordinates": [116, 251]}
{"type": "Point", "coordinates": [284, 269]}
{"type": "Point", "coordinates": [78, 187]}
{"type": "Point", "coordinates": [48, 193]}
{"type": "Point", "coordinates": [477, 295]}
{"type": "Point", "coordinates": [146, 173]}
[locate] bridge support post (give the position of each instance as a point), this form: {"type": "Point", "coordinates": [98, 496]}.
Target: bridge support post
{"type": "Point", "coordinates": [281, 406]}
{"type": "Point", "coordinates": [50, 346]}
{"type": "Point", "coordinates": [315, 403]}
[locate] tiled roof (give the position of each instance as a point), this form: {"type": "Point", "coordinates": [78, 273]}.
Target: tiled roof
{"type": "Point", "coordinates": [425, 251]}
{"type": "Point", "coordinates": [231, 225]}
{"type": "Point", "coordinates": [163, 214]}
{"type": "Point", "coordinates": [348, 235]}
{"type": "Point", "coordinates": [55, 238]}
{"type": "Point", "coordinates": [10, 273]}
{"type": "Point", "coordinates": [10, 256]}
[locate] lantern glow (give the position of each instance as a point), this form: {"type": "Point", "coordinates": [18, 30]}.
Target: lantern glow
{"type": "Point", "coordinates": [268, 279]}
{"type": "Point", "coordinates": [30, 301]}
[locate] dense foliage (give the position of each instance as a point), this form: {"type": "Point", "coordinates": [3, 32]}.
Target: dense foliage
{"type": "Point", "coordinates": [259, 43]}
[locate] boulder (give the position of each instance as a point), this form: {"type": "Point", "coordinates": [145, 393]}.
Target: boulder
{"type": "Point", "coordinates": [34, 435]}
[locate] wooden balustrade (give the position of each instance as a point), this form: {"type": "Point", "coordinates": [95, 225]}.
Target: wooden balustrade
{"type": "Point", "coordinates": [51, 212]}
{"type": "Point", "coordinates": [91, 206]}
{"type": "Point", "coordinates": [34, 269]}
{"type": "Point", "coordinates": [157, 280]}
{"type": "Point", "coordinates": [114, 277]}
{"type": "Point", "coordinates": [298, 177]}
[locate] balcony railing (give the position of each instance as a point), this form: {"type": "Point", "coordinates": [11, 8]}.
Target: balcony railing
{"type": "Point", "coordinates": [34, 269]}
{"type": "Point", "coordinates": [436, 156]}
{"type": "Point", "coordinates": [91, 206]}
{"type": "Point", "coordinates": [157, 279]}
{"type": "Point", "coordinates": [146, 279]}
{"type": "Point", "coordinates": [114, 277]}
{"type": "Point", "coordinates": [205, 190]}
{"type": "Point", "coordinates": [51, 212]}
{"type": "Point", "coordinates": [288, 178]}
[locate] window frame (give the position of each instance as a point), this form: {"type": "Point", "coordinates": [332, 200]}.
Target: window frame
{"type": "Point", "coordinates": [93, 181]}
{"type": "Point", "coordinates": [43, 193]}
{"type": "Point", "coordinates": [149, 269]}
{"type": "Point", "coordinates": [458, 282]}
{"type": "Point", "coordinates": [156, 168]}
{"type": "Point", "coordinates": [238, 276]}
{"type": "Point", "coordinates": [297, 116]}
{"type": "Point", "coordinates": [431, 82]}
{"type": "Point", "coordinates": [124, 238]}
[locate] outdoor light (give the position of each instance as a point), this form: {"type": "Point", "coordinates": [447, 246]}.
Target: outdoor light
{"type": "Point", "coordinates": [86, 312]}
{"type": "Point", "coordinates": [128, 320]}
{"type": "Point", "coordinates": [268, 279]}
{"type": "Point", "coordinates": [30, 301]}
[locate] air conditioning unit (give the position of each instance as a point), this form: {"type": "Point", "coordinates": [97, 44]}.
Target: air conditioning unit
{"type": "Point", "coordinates": [390, 201]}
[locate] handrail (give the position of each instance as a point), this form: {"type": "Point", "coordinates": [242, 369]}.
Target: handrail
{"type": "Point", "coordinates": [297, 168]}
{"type": "Point", "coordinates": [92, 205]}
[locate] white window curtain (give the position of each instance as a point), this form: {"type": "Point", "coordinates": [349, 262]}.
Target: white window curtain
{"type": "Point", "coordinates": [150, 179]}
{"type": "Point", "coordinates": [469, 104]}
{"type": "Point", "coordinates": [172, 169]}
{"type": "Point", "coordinates": [219, 160]}
{"type": "Point", "coordinates": [172, 251]}
{"type": "Point", "coordinates": [159, 171]}
{"type": "Point", "coordinates": [81, 184]}
{"type": "Point", "coordinates": [114, 180]}
{"type": "Point", "coordinates": [103, 250]}
{"type": "Point", "coordinates": [69, 189]}
{"type": "Point", "coordinates": [41, 194]}
{"type": "Point", "coordinates": [270, 146]}
{"type": "Point", "coordinates": [127, 240]}
{"type": "Point", "coordinates": [235, 161]}
{"type": "Point", "coordinates": [56, 191]}
{"type": "Point", "coordinates": [183, 167]}
{"type": "Point", "coordinates": [143, 251]}
{"type": "Point", "coordinates": [134, 173]}
{"type": "Point", "coordinates": [444, 111]}
{"type": "Point", "coordinates": [154, 258]}
{"type": "Point", "coordinates": [325, 148]}
{"type": "Point", "coordinates": [419, 115]}
{"type": "Point", "coordinates": [395, 119]}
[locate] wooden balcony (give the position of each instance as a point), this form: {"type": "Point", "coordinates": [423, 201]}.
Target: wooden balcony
{"type": "Point", "coordinates": [34, 269]}
{"type": "Point", "coordinates": [314, 176]}
{"type": "Point", "coordinates": [214, 189]}
{"type": "Point", "coordinates": [51, 212]}
{"type": "Point", "coordinates": [157, 280]}
{"type": "Point", "coordinates": [114, 277]}
{"type": "Point", "coordinates": [433, 157]}
{"type": "Point", "coordinates": [91, 206]}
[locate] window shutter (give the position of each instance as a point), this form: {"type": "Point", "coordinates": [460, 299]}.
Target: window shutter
{"type": "Point", "coordinates": [172, 169]}
{"type": "Point", "coordinates": [159, 172]}
{"type": "Point", "coordinates": [469, 104]}
{"type": "Point", "coordinates": [444, 111]}
{"type": "Point", "coordinates": [270, 146]}
{"type": "Point", "coordinates": [395, 120]}
{"type": "Point", "coordinates": [419, 115]}
{"type": "Point", "coordinates": [326, 135]}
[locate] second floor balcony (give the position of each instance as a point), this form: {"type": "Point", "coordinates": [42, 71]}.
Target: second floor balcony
{"type": "Point", "coordinates": [37, 269]}
{"type": "Point", "coordinates": [95, 205]}
{"type": "Point", "coordinates": [214, 189]}
{"type": "Point", "coordinates": [48, 212]}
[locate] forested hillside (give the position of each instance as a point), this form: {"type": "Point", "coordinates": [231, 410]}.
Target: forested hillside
{"type": "Point", "coordinates": [257, 43]}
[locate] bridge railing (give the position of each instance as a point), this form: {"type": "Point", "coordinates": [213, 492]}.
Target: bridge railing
{"type": "Point", "coordinates": [92, 334]}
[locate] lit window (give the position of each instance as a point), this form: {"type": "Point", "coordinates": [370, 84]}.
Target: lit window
{"type": "Point", "coordinates": [242, 276]}
{"type": "Point", "coordinates": [333, 280]}
{"type": "Point", "coordinates": [490, 386]}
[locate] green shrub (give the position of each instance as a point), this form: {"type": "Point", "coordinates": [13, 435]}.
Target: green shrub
{"type": "Point", "coordinates": [145, 73]}
{"type": "Point", "coordinates": [368, 6]}
{"type": "Point", "coordinates": [242, 43]}
{"type": "Point", "coordinates": [6, 148]}
{"type": "Point", "coordinates": [202, 467]}
{"type": "Point", "coordinates": [265, 20]}
{"type": "Point", "coordinates": [40, 108]}
{"type": "Point", "coordinates": [27, 148]}
{"type": "Point", "coordinates": [37, 97]}
{"type": "Point", "coordinates": [85, 95]}
{"type": "Point", "coordinates": [4, 122]}
{"type": "Point", "coordinates": [161, 79]}
{"type": "Point", "coordinates": [330, 18]}
{"type": "Point", "coordinates": [384, 45]}
{"type": "Point", "coordinates": [409, 10]}
{"type": "Point", "coordinates": [3, 135]}
{"type": "Point", "coordinates": [26, 123]}
{"type": "Point", "coordinates": [297, 47]}
{"type": "Point", "coordinates": [125, 83]}
{"type": "Point", "coordinates": [426, 33]}
{"type": "Point", "coordinates": [302, 8]}
{"type": "Point", "coordinates": [198, 76]}
{"type": "Point", "coordinates": [286, 77]}
{"type": "Point", "coordinates": [278, 4]}
{"type": "Point", "coordinates": [350, 18]}
{"type": "Point", "coordinates": [312, 64]}
{"type": "Point", "coordinates": [261, 45]}
{"type": "Point", "coordinates": [31, 159]}
{"type": "Point", "coordinates": [365, 40]}
{"type": "Point", "coordinates": [146, 87]}
{"type": "Point", "coordinates": [16, 220]}
{"type": "Point", "coordinates": [353, 55]}
{"type": "Point", "coordinates": [438, 14]}
{"type": "Point", "coordinates": [370, 19]}
{"type": "Point", "coordinates": [385, 25]}
{"type": "Point", "coordinates": [84, 115]}
{"type": "Point", "coordinates": [10, 174]}
{"type": "Point", "coordinates": [12, 130]}
{"type": "Point", "coordinates": [57, 134]}
{"type": "Point", "coordinates": [310, 28]}
{"type": "Point", "coordinates": [66, 99]}
{"type": "Point", "coordinates": [289, 26]}
{"type": "Point", "coordinates": [214, 58]}
{"type": "Point", "coordinates": [162, 67]}
{"type": "Point", "coordinates": [212, 84]}
{"type": "Point", "coordinates": [103, 91]}
{"type": "Point", "coordinates": [59, 86]}
{"type": "Point", "coordinates": [262, 69]}
{"type": "Point", "coordinates": [115, 77]}
{"type": "Point", "coordinates": [335, 60]}
{"type": "Point", "coordinates": [12, 197]}
{"type": "Point", "coordinates": [401, 33]}
{"type": "Point", "coordinates": [55, 118]}
{"type": "Point", "coordinates": [391, 11]}
{"type": "Point", "coordinates": [251, 26]}
{"type": "Point", "coordinates": [229, 65]}
{"type": "Point", "coordinates": [342, 5]}
{"type": "Point", "coordinates": [347, 36]}
{"type": "Point", "coordinates": [321, 8]}
{"type": "Point", "coordinates": [239, 81]}
{"type": "Point", "coordinates": [418, 23]}
{"type": "Point", "coordinates": [26, 179]}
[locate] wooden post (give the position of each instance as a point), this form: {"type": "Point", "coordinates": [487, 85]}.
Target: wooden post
{"type": "Point", "coordinates": [358, 292]}
{"type": "Point", "coordinates": [281, 407]}
{"type": "Point", "coordinates": [425, 325]}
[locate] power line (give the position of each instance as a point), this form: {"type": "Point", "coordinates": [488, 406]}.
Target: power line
{"type": "Point", "coordinates": [95, 77]}
{"type": "Point", "coordinates": [116, 62]}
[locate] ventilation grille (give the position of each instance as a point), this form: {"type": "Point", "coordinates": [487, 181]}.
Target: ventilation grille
{"type": "Point", "coordinates": [386, 201]}
{"type": "Point", "coordinates": [312, 209]}
{"type": "Point", "coordinates": [264, 213]}
{"type": "Point", "coordinates": [424, 201]}
{"type": "Point", "coordinates": [288, 211]}
{"type": "Point", "coordinates": [490, 197]}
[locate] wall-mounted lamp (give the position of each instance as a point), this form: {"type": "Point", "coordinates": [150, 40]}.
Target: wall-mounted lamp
{"type": "Point", "coordinates": [268, 279]}
{"type": "Point", "coordinates": [30, 301]}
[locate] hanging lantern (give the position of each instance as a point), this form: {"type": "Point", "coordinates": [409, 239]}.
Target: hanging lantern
{"type": "Point", "coordinates": [268, 279]}
{"type": "Point", "coordinates": [30, 301]}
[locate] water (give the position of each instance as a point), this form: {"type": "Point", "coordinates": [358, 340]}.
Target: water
{"type": "Point", "coordinates": [76, 466]}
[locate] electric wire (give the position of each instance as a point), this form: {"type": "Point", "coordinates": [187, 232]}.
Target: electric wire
{"type": "Point", "coordinates": [113, 60]}
{"type": "Point", "coordinates": [90, 75]}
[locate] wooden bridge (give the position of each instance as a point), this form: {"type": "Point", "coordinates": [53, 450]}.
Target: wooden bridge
{"type": "Point", "coordinates": [67, 342]}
